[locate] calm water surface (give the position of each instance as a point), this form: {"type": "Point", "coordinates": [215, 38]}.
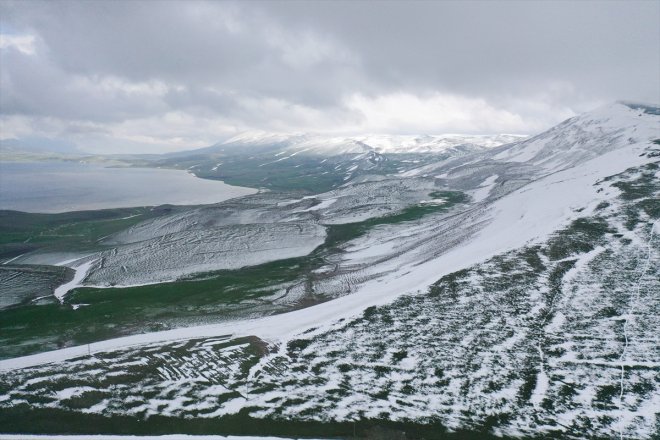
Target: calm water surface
{"type": "Point", "coordinates": [66, 186]}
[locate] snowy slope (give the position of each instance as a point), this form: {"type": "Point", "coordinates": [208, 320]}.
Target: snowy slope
{"type": "Point", "coordinates": [525, 214]}
{"type": "Point", "coordinates": [544, 321]}
{"type": "Point", "coordinates": [584, 137]}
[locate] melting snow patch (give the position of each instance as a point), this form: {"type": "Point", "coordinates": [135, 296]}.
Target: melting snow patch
{"type": "Point", "coordinates": [77, 306]}
{"type": "Point", "coordinates": [324, 204]}
{"type": "Point", "coordinates": [484, 189]}
{"type": "Point", "coordinates": [433, 202]}
{"type": "Point", "coordinates": [68, 393]}
{"type": "Point", "coordinates": [81, 272]}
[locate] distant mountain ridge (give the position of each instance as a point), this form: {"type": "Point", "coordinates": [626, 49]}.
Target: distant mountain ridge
{"type": "Point", "coordinates": [310, 143]}
{"type": "Point", "coordinates": [316, 163]}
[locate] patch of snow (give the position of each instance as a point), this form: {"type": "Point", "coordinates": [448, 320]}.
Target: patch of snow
{"type": "Point", "coordinates": [13, 259]}
{"type": "Point", "coordinates": [130, 216]}
{"type": "Point", "coordinates": [483, 190]}
{"type": "Point", "coordinates": [323, 205]}
{"type": "Point", "coordinates": [77, 306]}
{"type": "Point", "coordinates": [81, 273]}
{"type": "Point", "coordinates": [542, 383]}
{"type": "Point", "coordinates": [68, 393]}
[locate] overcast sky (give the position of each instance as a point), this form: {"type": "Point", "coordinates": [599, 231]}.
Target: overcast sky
{"type": "Point", "coordinates": [162, 76]}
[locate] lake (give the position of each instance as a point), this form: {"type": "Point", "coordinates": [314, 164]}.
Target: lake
{"type": "Point", "coordinates": [51, 187]}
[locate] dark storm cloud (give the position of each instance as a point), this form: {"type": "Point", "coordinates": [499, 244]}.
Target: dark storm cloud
{"type": "Point", "coordinates": [165, 75]}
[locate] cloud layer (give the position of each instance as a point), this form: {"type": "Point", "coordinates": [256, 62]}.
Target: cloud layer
{"type": "Point", "coordinates": [162, 76]}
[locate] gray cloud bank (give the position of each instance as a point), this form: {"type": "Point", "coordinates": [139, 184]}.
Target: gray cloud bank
{"type": "Point", "coordinates": [161, 76]}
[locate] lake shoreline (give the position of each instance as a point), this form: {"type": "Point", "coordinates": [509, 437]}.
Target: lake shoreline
{"type": "Point", "coordinates": [59, 187]}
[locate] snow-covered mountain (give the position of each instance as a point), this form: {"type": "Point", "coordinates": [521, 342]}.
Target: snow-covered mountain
{"type": "Point", "coordinates": [510, 291]}
{"type": "Point", "coordinates": [336, 145]}
{"type": "Point", "coordinates": [316, 163]}
{"type": "Point", "coordinates": [584, 137]}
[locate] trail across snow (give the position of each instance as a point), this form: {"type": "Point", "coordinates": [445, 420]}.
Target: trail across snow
{"type": "Point", "coordinates": [628, 315]}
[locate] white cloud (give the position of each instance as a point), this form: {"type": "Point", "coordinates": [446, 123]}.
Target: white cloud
{"type": "Point", "coordinates": [438, 113]}
{"type": "Point", "coordinates": [168, 132]}
{"type": "Point", "coordinates": [110, 85]}
{"type": "Point", "coordinates": [23, 43]}
{"type": "Point", "coordinates": [15, 126]}
{"type": "Point", "coordinates": [303, 50]}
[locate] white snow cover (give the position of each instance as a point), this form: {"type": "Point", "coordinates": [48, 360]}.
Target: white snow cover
{"type": "Point", "coordinates": [174, 255]}
{"type": "Point", "coordinates": [528, 214]}
{"type": "Point", "coordinates": [484, 189]}
{"type": "Point", "coordinates": [317, 143]}
{"type": "Point", "coordinates": [584, 137]}
{"type": "Point", "coordinates": [81, 272]}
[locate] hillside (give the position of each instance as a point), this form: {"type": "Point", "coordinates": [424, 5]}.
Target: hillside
{"type": "Point", "coordinates": [314, 163]}
{"type": "Point", "coordinates": [509, 291]}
